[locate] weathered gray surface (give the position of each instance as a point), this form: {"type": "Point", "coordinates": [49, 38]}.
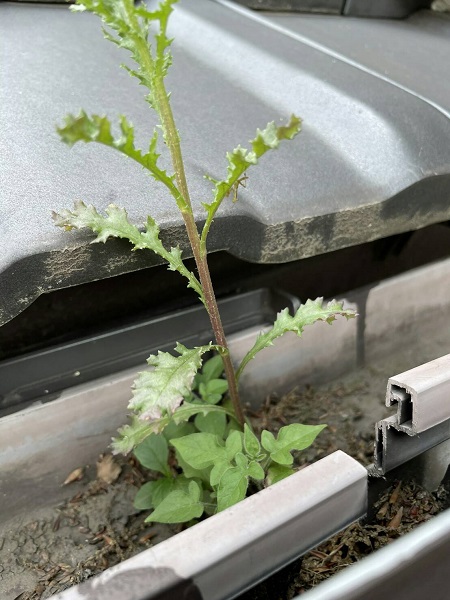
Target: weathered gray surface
{"type": "Point", "coordinates": [373, 159]}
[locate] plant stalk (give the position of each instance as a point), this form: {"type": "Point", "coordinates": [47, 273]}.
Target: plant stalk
{"type": "Point", "coordinates": [173, 143]}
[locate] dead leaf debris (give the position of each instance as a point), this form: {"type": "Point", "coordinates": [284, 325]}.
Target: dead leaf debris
{"type": "Point", "coordinates": [398, 510]}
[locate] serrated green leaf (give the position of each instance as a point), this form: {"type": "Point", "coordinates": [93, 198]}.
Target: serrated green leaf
{"type": "Point", "coordinates": [200, 450]}
{"type": "Point", "coordinates": [132, 434]}
{"type": "Point", "coordinates": [307, 314]}
{"type": "Point", "coordinates": [116, 224]}
{"type": "Point", "coordinates": [232, 488]}
{"type": "Point", "coordinates": [214, 422]}
{"type": "Point", "coordinates": [277, 473]}
{"type": "Point", "coordinates": [159, 392]}
{"type": "Point", "coordinates": [233, 444]}
{"type": "Point", "coordinates": [96, 128]}
{"type": "Point", "coordinates": [251, 442]}
{"type": "Point", "coordinates": [153, 454]}
{"type": "Point", "coordinates": [241, 159]}
{"type": "Point", "coordinates": [179, 506]}
{"type": "Point", "coordinates": [290, 437]}
{"type": "Point", "coordinates": [131, 24]}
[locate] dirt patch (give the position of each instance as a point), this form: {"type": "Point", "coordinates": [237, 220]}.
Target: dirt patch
{"type": "Point", "coordinates": [94, 530]}
{"type": "Point", "coordinates": [99, 527]}
{"type": "Point", "coordinates": [398, 510]}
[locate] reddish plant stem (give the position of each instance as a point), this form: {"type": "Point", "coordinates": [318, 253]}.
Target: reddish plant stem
{"type": "Point", "coordinates": [173, 142]}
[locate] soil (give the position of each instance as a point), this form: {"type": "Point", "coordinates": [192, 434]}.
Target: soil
{"type": "Point", "coordinates": [98, 527]}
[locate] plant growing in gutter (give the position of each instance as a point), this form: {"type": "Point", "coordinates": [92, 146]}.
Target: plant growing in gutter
{"type": "Point", "coordinates": [186, 424]}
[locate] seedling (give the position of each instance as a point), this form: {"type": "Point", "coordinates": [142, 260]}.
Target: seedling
{"type": "Point", "coordinates": [187, 425]}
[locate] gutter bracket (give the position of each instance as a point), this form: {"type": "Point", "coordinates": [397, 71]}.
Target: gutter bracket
{"type": "Point", "coordinates": [421, 425]}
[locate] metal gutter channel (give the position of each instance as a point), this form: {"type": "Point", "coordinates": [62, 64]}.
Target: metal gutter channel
{"type": "Point", "coordinates": [415, 566]}
{"type": "Point", "coordinates": [30, 470]}
{"type": "Point", "coordinates": [249, 541]}
{"type": "Point", "coordinates": [48, 372]}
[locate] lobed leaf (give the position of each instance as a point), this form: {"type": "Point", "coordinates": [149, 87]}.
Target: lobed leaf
{"type": "Point", "coordinates": [132, 434]}
{"type": "Point", "coordinates": [131, 25]}
{"type": "Point", "coordinates": [290, 437]}
{"type": "Point", "coordinates": [116, 224]}
{"type": "Point", "coordinates": [241, 159]}
{"type": "Point", "coordinates": [95, 128]}
{"type": "Point", "coordinates": [159, 392]}
{"type": "Point", "coordinates": [307, 314]}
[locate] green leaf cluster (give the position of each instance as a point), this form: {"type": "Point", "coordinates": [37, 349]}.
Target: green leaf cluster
{"type": "Point", "coordinates": [216, 469]}
{"type": "Point", "coordinates": [205, 462]}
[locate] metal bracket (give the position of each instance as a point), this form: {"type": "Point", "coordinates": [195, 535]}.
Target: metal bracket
{"type": "Point", "coordinates": [422, 420]}
{"type": "Point", "coordinates": [421, 395]}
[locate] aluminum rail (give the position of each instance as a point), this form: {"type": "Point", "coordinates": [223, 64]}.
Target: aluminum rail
{"type": "Point", "coordinates": [230, 552]}
{"type": "Point", "coordinates": [421, 396]}
{"type": "Point", "coordinates": [422, 420]}
{"type": "Point", "coordinates": [414, 566]}
{"type": "Point", "coordinates": [393, 448]}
